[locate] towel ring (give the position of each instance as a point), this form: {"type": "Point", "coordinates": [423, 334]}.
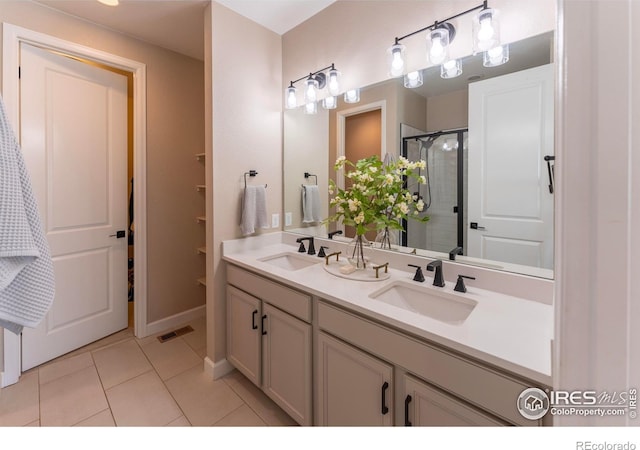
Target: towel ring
{"type": "Point", "coordinates": [251, 173]}
{"type": "Point", "coordinates": [307, 175]}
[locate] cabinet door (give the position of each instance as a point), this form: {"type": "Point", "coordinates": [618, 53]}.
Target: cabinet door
{"type": "Point", "coordinates": [354, 388]}
{"type": "Point", "coordinates": [425, 406]}
{"type": "Point", "coordinates": [244, 314]}
{"type": "Point", "coordinates": [286, 362]}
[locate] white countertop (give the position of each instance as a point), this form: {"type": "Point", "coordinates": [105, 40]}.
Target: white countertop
{"type": "Point", "coordinates": [509, 332]}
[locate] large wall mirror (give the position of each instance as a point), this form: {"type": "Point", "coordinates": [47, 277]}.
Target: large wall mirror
{"type": "Point", "coordinates": [487, 137]}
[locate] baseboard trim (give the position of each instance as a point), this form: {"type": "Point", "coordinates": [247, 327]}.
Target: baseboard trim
{"type": "Point", "coordinates": [217, 369]}
{"type": "Point", "coordinates": [174, 321]}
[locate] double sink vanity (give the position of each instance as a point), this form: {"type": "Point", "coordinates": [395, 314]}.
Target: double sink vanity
{"type": "Point", "coordinates": [384, 348]}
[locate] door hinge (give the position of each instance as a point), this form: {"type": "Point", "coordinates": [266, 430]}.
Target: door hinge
{"type": "Point", "coordinates": [19, 72]}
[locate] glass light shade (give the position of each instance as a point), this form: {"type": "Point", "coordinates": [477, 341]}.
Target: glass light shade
{"type": "Point", "coordinates": [311, 108]}
{"type": "Point", "coordinates": [486, 30]}
{"type": "Point", "coordinates": [352, 96]}
{"type": "Point", "coordinates": [450, 144]}
{"type": "Point", "coordinates": [330, 102]}
{"type": "Point", "coordinates": [110, 2]}
{"type": "Point", "coordinates": [451, 69]}
{"type": "Point", "coordinates": [290, 100]}
{"type": "Point", "coordinates": [413, 79]}
{"type": "Point", "coordinates": [334, 82]}
{"type": "Point", "coordinates": [310, 90]}
{"type": "Point", "coordinates": [496, 56]}
{"type": "Point", "coordinates": [438, 44]}
{"type": "Point", "coordinates": [397, 60]}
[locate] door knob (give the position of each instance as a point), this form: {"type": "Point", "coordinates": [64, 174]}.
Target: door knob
{"type": "Point", "coordinates": [119, 234]}
{"type": "Point", "coordinates": [475, 226]}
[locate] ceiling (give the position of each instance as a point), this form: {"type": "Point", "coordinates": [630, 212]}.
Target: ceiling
{"type": "Point", "coordinates": [178, 24]}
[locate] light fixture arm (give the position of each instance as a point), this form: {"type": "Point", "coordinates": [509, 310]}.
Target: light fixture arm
{"type": "Point", "coordinates": [311, 75]}
{"type": "Point", "coordinates": [441, 23]}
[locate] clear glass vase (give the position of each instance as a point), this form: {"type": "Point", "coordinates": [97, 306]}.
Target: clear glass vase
{"type": "Point", "coordinates": [357, 252]}
{"type": "Point", "coordinates": [385, 239]}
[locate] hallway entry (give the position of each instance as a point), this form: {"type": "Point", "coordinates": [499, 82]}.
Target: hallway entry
{"type": "Point", "coordinates": [73, 126]}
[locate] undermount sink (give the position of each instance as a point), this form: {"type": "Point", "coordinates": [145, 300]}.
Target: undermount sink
{"type": "Point", "coordinates": [291, 261]}
{"type": "Point", "coordinates": [427, 301]}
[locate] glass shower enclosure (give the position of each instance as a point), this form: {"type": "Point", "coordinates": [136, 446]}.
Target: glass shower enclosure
{"type": "Point", "coordinates": [444, 193]}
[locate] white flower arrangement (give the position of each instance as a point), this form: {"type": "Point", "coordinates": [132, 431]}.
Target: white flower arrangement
{"type": "Point", "coordinates": [379, 196]}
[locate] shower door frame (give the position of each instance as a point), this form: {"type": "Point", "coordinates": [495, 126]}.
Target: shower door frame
{"type": "Point", "coordinates": [459, 208]}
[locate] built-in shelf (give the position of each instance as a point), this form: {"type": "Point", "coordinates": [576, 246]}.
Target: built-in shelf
{"type": "Point", "coordinates": [199, 156]}
{"type": "Point", "coordinates": [202, 281]}
{"type": "Point", "coordinates": [201, 219]}
{"type": "Point", "coordinates": [202, 250]}
{"type": "Point", "coordinates": [200, 187]}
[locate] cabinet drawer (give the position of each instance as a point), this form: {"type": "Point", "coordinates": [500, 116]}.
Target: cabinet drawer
{"type": "Point", "coordinates": [484, 387]}
{"type": "Point", "coordinates": [295, 303]}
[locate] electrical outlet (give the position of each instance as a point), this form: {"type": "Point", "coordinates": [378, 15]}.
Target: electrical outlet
{"type": "Point", "coordinates": [288, 219]}
{"type": "Point", "coordinates": [275, 220]}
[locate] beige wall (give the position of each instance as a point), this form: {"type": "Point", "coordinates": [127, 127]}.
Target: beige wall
{"type": "Point", "coordinates": [175, 133]}
{"type": "Point", "coordinates": [448, 111]}
{"type": "Point", "coordinates": [247, 134]}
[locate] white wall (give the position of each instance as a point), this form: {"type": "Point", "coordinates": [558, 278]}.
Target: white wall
{"type": "Point", "coordinates": [598, 252]}
{"type": "Point", "coordinates": [246, 127]}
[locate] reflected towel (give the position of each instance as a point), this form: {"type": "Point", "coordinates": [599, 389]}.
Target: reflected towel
{"type": "Point", "coordinates": [254, 209]}
{"type": "Point", "coordinates": [310, 204]}
{"type": "Point", "coordinates": [26, 268]}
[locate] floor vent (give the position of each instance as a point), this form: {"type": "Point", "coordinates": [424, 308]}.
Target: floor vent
{"type": "Point", "coordinates": [175, 333]}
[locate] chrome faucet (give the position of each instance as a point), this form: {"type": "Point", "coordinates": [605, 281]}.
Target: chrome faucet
{"type": "Point", "coordinates": [312, 249]}
{"type": "Point", "coordinates": [438, 279]}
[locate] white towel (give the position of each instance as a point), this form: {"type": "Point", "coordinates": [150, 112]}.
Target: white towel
{"type": "Point", "coordinates": [26, 269]}
{"type": "Point", "coordinates": [310, 203]}
{"type": "Point", "coordinates": [254, 209]}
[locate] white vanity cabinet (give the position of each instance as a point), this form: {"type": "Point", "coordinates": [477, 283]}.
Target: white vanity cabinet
{"type": "Point", "coordinates": [424, 405]}
{"type": "Point", "coordinates": [446, 388]}
{"type": "Point", "coordinates": [269, 339]}
{"type": "Point", "coordinates": [353, 388]}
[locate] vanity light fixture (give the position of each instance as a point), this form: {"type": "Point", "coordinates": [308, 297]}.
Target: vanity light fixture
{"type": "Point", "coordinates": [486, 38]}
{"type": "Point", "coordinates": [330, 102]}
{"type": "Point", "coordinates": [314, 83]}
{"type": "Point", "coordinates": [413, 79]}
{"type": "Point", "coordinates": [496, 56]}
{"type": "Point", "coordinates": [311, 108]}
{"type": "Point", "coordinates": [451, 69]}
{"type": "Point", "coordinates": [486, 30]}
{"type": "Point", "coordinates": [352, 96]}
{"type": "Point", "coordinates": [397, 60]}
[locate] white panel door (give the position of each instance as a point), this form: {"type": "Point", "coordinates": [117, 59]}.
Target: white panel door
{"type": "Point", "coordinates": [510, 132]}
{"type": "Point", "coordinates": [73, 131]}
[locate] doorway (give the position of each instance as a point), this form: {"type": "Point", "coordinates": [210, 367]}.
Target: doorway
{"type": "Point", "coordinates": [14, 37]}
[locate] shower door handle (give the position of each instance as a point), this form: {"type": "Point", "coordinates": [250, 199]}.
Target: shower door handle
{"type": "Point", "coordinates": [475, 226]}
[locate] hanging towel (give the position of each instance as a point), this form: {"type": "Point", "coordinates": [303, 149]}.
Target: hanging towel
{"type": "Point", "coordinates": [26, 268]}
{"type": "Point", "coordinates": [254, 209]}
{"type": "Point", "coordinates": [310, 203]}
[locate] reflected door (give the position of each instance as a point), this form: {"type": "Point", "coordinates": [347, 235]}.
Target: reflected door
{"type": "Point", "coordinates": [510, 201]}
{"type": "Point", "coordinates": [74, 138]}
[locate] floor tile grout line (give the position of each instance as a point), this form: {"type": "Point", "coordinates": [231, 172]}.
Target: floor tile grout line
{"type": "Point", "coordinates": [256, 412]}
{"type": "Point", "coordinates": [104, 391]}
{"type": "Point", "coordinates": [165, 385]}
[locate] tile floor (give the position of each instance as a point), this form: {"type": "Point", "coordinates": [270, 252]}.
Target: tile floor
{"type": "Point", "coordinates": [125, 381]}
